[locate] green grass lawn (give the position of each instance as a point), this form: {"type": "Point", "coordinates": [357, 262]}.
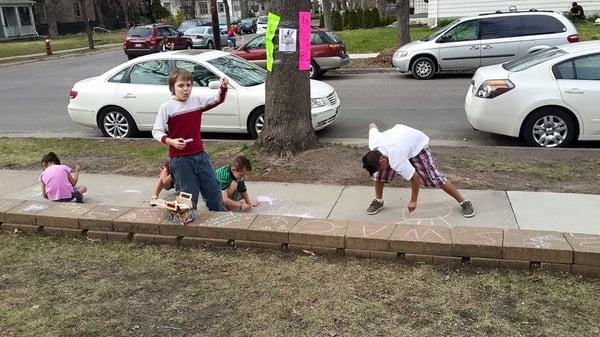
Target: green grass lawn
{"type": "Point", "coordinates": [66, 42]}
{"type": "Point", "coordinates": [73, 287]}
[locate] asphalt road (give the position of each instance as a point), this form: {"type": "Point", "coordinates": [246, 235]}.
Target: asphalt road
{"type": "Point", "coordinates": [35, 96]}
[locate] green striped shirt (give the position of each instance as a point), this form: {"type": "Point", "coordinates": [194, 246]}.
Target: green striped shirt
{"type": "Point", "coordinates": [225, 176]}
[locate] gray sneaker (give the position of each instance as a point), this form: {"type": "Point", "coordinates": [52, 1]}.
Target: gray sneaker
{"type": "Point", "coordinates": [374, 207]}
{"type": "Point", "coordinates": [467, 208]}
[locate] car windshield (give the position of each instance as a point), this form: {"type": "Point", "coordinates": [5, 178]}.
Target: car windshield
{"type": "Point", "coordinates": [139, 32]}
{"type": "Point", "coordinates": [196, 30]}
{"type": "Point", "coordinates": [247, 21]}
{"type": "Point", "coordinates": [243, 72]}
{"type": "Point", "coordinates": [333, 37]}
{"type": "Point", "coordinates": [439, 31]}
{"type": "Point", "coordinates": [262, 19]}
{"type": "Point", "coordinates": [533, 59]}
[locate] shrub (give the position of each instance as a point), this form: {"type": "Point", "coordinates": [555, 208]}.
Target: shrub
{"type": "Point", "coordinates": [445, 21]}
{"type": "Point", "coordinates": [360, 18]}
{"type": "Point", "coordinates": [375, 17]}
{"type": "Point", "coordinates": [321, 20]}
{"type": "Point", "coordinates": [336, 20]}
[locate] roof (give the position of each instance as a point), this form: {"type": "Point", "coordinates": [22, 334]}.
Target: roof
{"type": "Point", "coordinates": [16, 2]}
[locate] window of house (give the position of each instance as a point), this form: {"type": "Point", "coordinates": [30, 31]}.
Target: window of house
{"type": "Point", "coordinates": [203, 8]}
{"type": "Point", "coordinates": [221, 7]}
{"type": "Point", "coordinates": [24, 16]}
{"type": "Point", "coordinates": [76, 8]}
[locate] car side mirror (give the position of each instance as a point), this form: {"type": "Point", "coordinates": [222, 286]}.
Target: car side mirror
{"type": "Point", "coordinates": [180, 33]}
{"type": "Point", "coordinates": [214, 84]}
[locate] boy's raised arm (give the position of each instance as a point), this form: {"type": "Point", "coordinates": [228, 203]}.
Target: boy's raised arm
{"type": "Point", "coordinates": [373, 133]}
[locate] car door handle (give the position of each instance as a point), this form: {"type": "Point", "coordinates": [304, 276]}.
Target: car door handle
{"type": "Point", "coordinates": [487, 46]}
{"type": "Point", "coordinates": [474, 48]}
{"type": "Point", "coordinates": [129, 96]}
{"type": "Point", "coordinates": [574, 91]}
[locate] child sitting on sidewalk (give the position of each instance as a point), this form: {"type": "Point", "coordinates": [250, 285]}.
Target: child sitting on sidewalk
{"type": "Point", "coordinates": [233, 188]}
{"type": "Point", "coordinates": [164, 181]}
{"type": "Point", "coordinates": [58, 182]}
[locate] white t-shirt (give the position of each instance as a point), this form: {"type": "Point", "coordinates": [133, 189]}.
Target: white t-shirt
{"type": "Point", "coordinates": [399, 144]}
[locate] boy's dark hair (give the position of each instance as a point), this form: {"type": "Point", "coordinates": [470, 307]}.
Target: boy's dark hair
{"type": "Point", "coordinates": [241, 163]}
{"type": "Point", "coordinates": [51, 157]}
{"type": "Point", "coordinates": [371, 161]}
{"type": "Point", "coordinates": [178, 75]}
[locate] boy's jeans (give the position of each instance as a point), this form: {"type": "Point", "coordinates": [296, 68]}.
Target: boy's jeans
{"type": "Point", "coordinates": [233, 41]}
{"type": "Point", "coordinates": [194, 174]}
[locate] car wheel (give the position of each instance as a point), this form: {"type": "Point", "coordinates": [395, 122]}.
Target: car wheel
{"type": "Point", "coordinates": [256, 123]}
{"type": "Point", "coordinates": [423, 68]}
{"type": "Point", "coordinates": [315, 71]}
{"type": "Point", "coordinates": [209, 45]}
{"type": "Point", "coordinates": [188, 46]}
{"type": "Point", "coordinates": [117, 123]}
{"type": "Point", "coordinates": [163, 47]}
{"type": "Point", "coordinates": [549, 127]}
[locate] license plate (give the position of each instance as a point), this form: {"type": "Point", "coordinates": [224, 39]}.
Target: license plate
{"type": "Point", "coordinates": [138, 45]}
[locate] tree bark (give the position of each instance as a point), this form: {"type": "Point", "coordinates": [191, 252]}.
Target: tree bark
{"type": "Point", "coordinates": [403, 17]}
{"type": "Point", "coordinates": [98, 13]}
{"type": "Point", "coordinates": [380, 4]}
{"type": "Point", "coordinates": [315, 6]}
{"type": "Point", "coordinates": [214, 15]}
{"type": "Point", "coordinates": [244, 9]}
{"type": "Point", "coordinates": [86, 22]}
{"type": "Point", "coordinates": [227, 15]}
{"type": "Point", "coordinates": [51, 19]}
{"type": "Point", "coordinates": [327, 14]}
{"type": "Point", "coordinates": [364, 5]}
{"type": "Point", "coordinates": [288, 123]}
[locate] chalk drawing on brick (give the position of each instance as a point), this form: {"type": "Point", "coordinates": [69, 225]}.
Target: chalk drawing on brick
{"type": "Point", "coordinates": [437, 214]}
{"type": "Point", "coordinates": [34, 208]}
{"type": "Point", "coordinates": [586, 241]}
{"type": "Point", "coordinates": [275, 223]}
{"type": "Point", "coordinates": [317, 226]}
{"type": "Point", "coordinates": [542, 241]}
{"type": "Point", "coordinates": [287, 207]}
{"type": "Point", "coordinates": [424, 234]}
{"type": "Point", "coordinates": [369, 230]}
{"type": "Point", "coordinates": [222, 220]}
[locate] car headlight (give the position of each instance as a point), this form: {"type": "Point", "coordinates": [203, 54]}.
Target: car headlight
{"type": "Point", "coordinates": [494, 88]}
{"type": "Point", "coordinates": [317, 103]}
{"type": "Point", "coordinates": [400, 53]}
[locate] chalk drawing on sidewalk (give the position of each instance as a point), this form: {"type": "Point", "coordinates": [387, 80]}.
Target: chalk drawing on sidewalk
{"type": "Point", "coordinates": [438, 214]}
{"type": "Point", "coordinates": [286, 207]}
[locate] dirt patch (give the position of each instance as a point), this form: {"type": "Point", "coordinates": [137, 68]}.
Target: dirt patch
{"type": "Point", "coordinates": [495, 168]}
{"type": "Point", "coordinates": [382, 60]}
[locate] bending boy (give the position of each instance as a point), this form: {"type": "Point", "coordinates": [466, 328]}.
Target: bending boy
{"type": "Point", "coordinates": [405, 151]}
{"type": "Point", "coordinates": [233, 188]}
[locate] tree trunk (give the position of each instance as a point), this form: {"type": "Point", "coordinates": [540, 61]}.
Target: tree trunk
{"type": "Point", "coordinates": [288, 123]}
{"type": "Point", "coordinates": [214, 15]}
{"type": "Point", "coordinates": [315, 6]}
{"type": "Point", "coordinates": [380, 4]}
{"type": "Point", "coordinates": [344, 5]}
{"type": "Point", "coordinates": [244, 9]}
{"type": "Point", "coordinates": [327, 14]}
{"type": "Point", "coordinates": [364, 5]}
{"type": "Point", "coordinates": [51, 18]}
{"type": "Point", "coordinates": [86, 22]}
{"type": "Point", "coordinates": [98, 13]}
{"type": "Point", "coordinates": [403, 16]}
{"type": "Point", "coordinates": [124, 5]}
{"type": "Point", "coordinates": [227, 14]}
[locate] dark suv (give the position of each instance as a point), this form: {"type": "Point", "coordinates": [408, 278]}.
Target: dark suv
{"type": "Point", "coordinates": [148, 39]}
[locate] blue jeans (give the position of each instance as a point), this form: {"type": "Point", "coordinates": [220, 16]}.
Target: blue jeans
{"type": "Point", "coordinates": [194, 174]}
{"type": "Point", "coordinates": [232, 40]}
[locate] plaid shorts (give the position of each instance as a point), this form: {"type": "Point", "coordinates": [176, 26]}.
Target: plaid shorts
{"type": "Point", "coordinates": [424, 164]}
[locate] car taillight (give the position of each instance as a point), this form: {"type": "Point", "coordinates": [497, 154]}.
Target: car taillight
{"type": "Point", "coordinates": [573, 38]}
{"type": "Point", "coordinates": [153, 41]}
{"type": "Point", "coordinates": [494, 88]}
{"type": "Point", "coordinates": [72, 94]}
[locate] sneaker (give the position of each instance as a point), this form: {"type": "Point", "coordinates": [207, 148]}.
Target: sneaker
{"type": "Point", "coordinates": [374, 207]}
{"type": "Point", "coordinates": [467, 208]}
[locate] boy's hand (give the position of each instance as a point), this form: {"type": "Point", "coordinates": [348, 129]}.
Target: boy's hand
{"type": "Point", "coordinates": [254, 203]}
{"type": "Point", "coordinates": [244, 206]}
{"type": "Point", "coordinates": [178, 143]}
{"type": "Point", "coordinates": [412, 206]}
{"type": "Point", "coordinates": [77, 168]}
{"type": "Point", "coordinates": [224, 82]}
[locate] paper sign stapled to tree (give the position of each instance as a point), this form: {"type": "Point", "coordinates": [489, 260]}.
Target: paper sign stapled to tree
{"type": "Point", "coordinates": [272, 24]}
{"type": "Point", "coordinates": [287, 40]}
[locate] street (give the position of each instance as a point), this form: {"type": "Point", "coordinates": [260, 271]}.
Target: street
{"type": "Point", "coordinates": [35, 96]}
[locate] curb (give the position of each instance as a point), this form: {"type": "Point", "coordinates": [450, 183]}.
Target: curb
{"type": "Point", "coordinates": [363, 70]}
{"type": "Point", "coordinates": [22, 59]}
{"type": "Point", "coordinates": [455, 246]}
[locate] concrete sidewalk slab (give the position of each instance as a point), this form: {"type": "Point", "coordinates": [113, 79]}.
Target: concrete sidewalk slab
{"type": "Point", "coordinates": [563, 212]}
{"type": "Point", "coordinates": [435, 208]}
{"type": "Point", "coordinates": [11, 181]}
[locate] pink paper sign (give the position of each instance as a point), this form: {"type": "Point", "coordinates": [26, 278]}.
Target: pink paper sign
{"type": "Point", "coordinates": [304, 40]}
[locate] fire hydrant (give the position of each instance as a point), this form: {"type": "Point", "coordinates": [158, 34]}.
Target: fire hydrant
{"type": "Point", "coordinates": [48, 46]}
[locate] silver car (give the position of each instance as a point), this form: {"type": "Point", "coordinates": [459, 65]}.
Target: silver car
{"type": "Point", "coordinates": [202, 37]}
{"type": "Point", "coordinates": [472, 42]}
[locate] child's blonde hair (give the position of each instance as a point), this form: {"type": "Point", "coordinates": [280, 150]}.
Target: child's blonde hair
{"type": "Point", "coordinates": [178, 75]}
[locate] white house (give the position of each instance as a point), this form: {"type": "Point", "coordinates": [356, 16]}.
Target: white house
{"type": "Point", "coordinates": [203, 7]}
{"type": "Point", "coordinates": [437, 9]}
{"type": "Point", "coordinates": [16, 19]}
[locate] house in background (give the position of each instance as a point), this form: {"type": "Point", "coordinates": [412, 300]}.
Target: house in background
{"type": "Point", "coordinates": [16, 19]}
{"type": "Point", "coordinates": [64, 16]}
{"type": "Point", "coordinates": [439, 9]}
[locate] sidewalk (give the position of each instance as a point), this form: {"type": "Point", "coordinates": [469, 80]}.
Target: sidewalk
{"type": "Point", "coordinates": [563, 212]}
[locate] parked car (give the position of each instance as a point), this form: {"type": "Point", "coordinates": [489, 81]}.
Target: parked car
{"type": "Point", "coordinates": [247, 26]}
{"type": "Point", "coordinates": [126, 98]}
{"type": "Point", "coordinates": [142, 40]}
{"type": "Point", "coordinates": [187, 24]}
{"type": "Point", "coordinates": [261, 24]}
{"type": "Point", "coordinates": [202, 37]}
{"type": "Point", "coordinates": [549, 98]}
{"type": "Point", "coordinates": [327, 52]}
{"type": "Point", "coordinates": [472, 42]}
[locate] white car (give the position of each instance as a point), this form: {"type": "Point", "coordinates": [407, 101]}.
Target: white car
{"type": "Point", "coordinates": [550, 98]}
{"type": "Point", "coordinates": [126, 98]}
{"type": "Point", "coordinates": [261, 24]}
